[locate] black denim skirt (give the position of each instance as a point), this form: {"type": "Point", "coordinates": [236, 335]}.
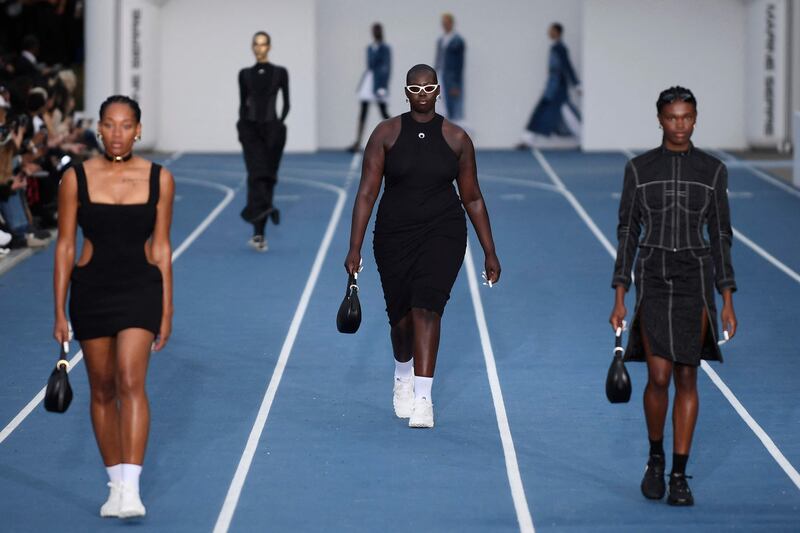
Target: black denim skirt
{"type": "Point", "coordinates": [674, 290]}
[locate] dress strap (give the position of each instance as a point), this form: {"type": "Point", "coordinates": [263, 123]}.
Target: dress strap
{"type": "Point", "coordinates": [83, 190]}
{"type": "Point", "coordinates": [155, 183]}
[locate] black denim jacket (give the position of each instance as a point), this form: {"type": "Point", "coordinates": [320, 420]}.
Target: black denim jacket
{"type": "Point", "coordinates": [674, 195]}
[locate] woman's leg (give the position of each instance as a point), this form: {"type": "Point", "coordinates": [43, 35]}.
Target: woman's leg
{"type": "Point", "coordinates": [362, 119]}
{"type": "Point", "coordinates": [133, 355]}
{"type": "Point", "coordinates": [656, 392]}
{"type": "Point", "coordinates": [687, 403]}
{"type": "Point", "coordinates": [656, 403]}
{"type": "Point", "coordinates": [101, 367]}
{"type": "Point", "coordinates": [685, 408]}
{"type": "Point", "coordinates": [427, 328]}
{"type": "Point", "coordinates": [402, 335]}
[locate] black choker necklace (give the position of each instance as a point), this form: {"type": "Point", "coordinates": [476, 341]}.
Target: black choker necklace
{"type": "Point", "coordinates": [118, 158]}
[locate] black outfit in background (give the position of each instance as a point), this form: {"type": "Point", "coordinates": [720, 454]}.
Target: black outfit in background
{"type": "Point", "coordinates": [118, 288]}
{"type": "Point", "coordinates": [678, 197]}
{"type": "Point", "coordinates": [420, 230]}
{"type": "Point", "coordinates": [262, 134]}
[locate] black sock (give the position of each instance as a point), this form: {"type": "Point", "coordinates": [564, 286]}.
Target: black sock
{"type": "Point", "coordinates": [679, 463]}
{"type": "Point", "coordinates": [657, 447]}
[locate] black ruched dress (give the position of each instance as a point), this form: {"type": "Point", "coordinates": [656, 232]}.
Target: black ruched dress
{"type": "Point", "coordinates": [118, 288]}
{"type": "Point", "coordinates": [420, 230]}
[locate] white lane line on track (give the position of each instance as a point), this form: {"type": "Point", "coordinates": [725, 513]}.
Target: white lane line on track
{"type": "Point", "coordinates": [509, 452]}
{"type": "Point", "coordinates": [229, 193]}
{"type": "Point", "coordinates": [734, 162]}
{"type": "Point", "coordinates": [237, 483]}
{"type": "Point", "coordinates": [768, 443]}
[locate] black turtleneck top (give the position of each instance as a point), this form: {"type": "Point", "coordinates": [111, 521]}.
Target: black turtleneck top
{"type": "Point", "coordinates": [258, 90]}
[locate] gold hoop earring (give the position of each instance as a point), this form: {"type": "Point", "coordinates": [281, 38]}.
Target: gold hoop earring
{"type": "Point", "coordinates": [137, 138]}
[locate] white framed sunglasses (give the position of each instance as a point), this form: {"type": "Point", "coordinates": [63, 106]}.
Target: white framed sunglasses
{"type": "Point", "coordinates": [416, 89]}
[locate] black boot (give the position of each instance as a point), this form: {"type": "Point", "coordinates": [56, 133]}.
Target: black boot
{"type": "Point", "coordinates": [653, 486]}
{"type": "Point", "coordinates": [679, 491]}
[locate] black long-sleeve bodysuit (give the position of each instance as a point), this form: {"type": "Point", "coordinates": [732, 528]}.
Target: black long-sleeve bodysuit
{"type": "Point", "coordinates": [262, 133]}
{"type": "Point", "coordinates": [677, 198]}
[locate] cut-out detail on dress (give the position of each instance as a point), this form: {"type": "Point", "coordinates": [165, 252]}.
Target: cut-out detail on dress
{"type": "Point", "coordinates": [87, 253]}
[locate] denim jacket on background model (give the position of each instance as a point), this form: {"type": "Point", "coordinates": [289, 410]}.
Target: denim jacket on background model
{"type": "Point", "coordinates": [675, 196]}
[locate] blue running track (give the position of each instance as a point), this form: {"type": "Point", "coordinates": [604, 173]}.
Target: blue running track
{"type": "Point", "coordinates": [264, 418]}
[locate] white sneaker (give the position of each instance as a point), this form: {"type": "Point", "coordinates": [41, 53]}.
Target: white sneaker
{"type": "Point", "coordinates": [131, 505]}
{"type": "Point", "coordinates": [403, 398]}
{"type": "Point", "coordinates": [111, 507]}
{"type": "Point", "coordinates": [5, 238]}
{"type": "Point", "coordinates": [35, 242]}
{"type": "Point", "coordinates": [421, 414]}
{"type": "Point", "coordinates": [258, 243]}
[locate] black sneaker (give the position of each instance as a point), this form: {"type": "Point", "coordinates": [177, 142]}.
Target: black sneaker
{"type": "Point", "coordinates": [679, 491]}
{"type": "Point", "coordinates": [653, 486]}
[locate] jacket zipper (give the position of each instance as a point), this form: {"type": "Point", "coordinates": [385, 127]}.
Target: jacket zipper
{"type": "Point", "coordinates": [675, 172]}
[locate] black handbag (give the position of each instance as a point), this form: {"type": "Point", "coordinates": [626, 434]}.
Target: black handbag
{"type": "Point", "coordinates": [58, 394]}
{"type": "Point", "coordinates": [349, 316]}
{"type": "Point", "coordinates": [618, 382]}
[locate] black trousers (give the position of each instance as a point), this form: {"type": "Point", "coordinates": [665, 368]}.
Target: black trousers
{"type": "Point", "coordinates": [262, 144]}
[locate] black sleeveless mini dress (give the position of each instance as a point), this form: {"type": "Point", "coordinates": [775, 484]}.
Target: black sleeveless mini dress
{"type": "Point", "coordinates": [420, 229]}
{"type": "Point", "coordinates": [118, 288]}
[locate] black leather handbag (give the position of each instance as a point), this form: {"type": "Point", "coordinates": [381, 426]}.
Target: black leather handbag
{"type": "Point", "coordinates": [618, 382]}
{"type": "Point", "coordinates": [58, 394]}
{"type": "Point", "coordinates": [349, 316]}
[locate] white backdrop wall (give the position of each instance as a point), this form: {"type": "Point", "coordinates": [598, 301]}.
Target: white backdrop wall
{"type": "Point", "coordinates": [632, 49]}
{"type": "Point", "coordinates": [205, 43]}
{"type": "Point", "coordinates": [506, 59]}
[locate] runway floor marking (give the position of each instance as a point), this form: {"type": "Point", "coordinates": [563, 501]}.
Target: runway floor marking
{"type": "Point", "coordinates": [521, 506]}
{"type": "Point", "coordinates": [237, 483]}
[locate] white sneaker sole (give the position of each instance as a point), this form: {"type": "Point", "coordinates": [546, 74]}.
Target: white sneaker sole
{"type": "Point", "coordinates": [401, 412]}
{"type": "Point", "coordinates": [132, 513]}
{"type": "Point", "coordinates": [422, 424]}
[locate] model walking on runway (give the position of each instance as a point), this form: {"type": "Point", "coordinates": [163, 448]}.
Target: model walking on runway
{"type": "Point", "coordinates": [120, 289]}
{"type": "Point", "coordinates": [420, 232]}
{"type": "Point", "coordinates": [374, 86]}
{"type": "Point", "coordinates": [676, 194]}
{"type": "Point", "coordinates": [262, 133]}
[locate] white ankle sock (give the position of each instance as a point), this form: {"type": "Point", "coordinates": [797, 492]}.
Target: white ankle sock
{"type": "Point", "coordinates": [404, 371]}
{"type": "Point", "coordinates": [130, 476]}
{"type": "Point", "coordinates": [422, 387]}
{"type": "Point", "coordinates": [114, 473]}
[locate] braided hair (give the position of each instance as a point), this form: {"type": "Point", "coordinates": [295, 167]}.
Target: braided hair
{"type": "Point", "coordinates": [122, 99]}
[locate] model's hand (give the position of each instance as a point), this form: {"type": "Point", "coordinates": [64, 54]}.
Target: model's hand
{"type": "Point", "coordinates": [163, 334]}
{"type": "Point", "coordinates": [491, 266]}
{"type": "Point", "coordinates": [618, 316]}
{"type": "Point", "coordinates": [61, 330]}
{"type": "Point", "coordinates": [729, 319]}
{"type": "Point", "coordinates": [352, 262]}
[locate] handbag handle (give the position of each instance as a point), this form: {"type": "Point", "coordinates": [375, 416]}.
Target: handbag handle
{"type": "Point", "coordinates": [618, 349]}
{"type": "Point", "coordinates": [62, 360]}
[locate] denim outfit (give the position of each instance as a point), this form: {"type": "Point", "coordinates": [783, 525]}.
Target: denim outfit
{"type": "Point", "coordinates": [680, 199]}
